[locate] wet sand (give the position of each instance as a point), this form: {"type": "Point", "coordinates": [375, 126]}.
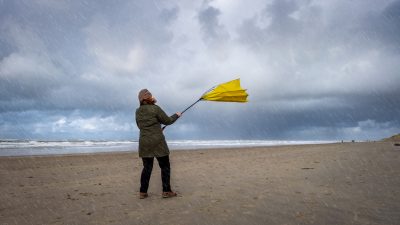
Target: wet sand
{"type": "Point", "coordinates": [349, 183]}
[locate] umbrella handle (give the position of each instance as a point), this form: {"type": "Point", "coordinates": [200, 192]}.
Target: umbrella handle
{"type": "Point", "coordinates": [186, 110]}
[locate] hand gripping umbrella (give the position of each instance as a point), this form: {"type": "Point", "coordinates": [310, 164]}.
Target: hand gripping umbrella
{"type": "Point", "coordinates": [226, 92]}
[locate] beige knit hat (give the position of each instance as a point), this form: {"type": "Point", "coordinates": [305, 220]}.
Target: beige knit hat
{"type": "Point", "coordinates": [144, 94]}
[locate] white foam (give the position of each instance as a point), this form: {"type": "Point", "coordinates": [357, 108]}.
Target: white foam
{"type": "Point", "coordinates": [31, 147]}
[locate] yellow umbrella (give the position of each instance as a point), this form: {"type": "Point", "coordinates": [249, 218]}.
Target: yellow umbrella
{"type": "Point", "coordinates": [226, 92]}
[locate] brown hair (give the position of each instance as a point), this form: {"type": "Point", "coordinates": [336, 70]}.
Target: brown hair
{"type": "Point", "coordinates": [146, 98]}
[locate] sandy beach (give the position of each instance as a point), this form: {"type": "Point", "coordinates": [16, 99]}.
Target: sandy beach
{"type": "Point", "coordinates": [344, 183]}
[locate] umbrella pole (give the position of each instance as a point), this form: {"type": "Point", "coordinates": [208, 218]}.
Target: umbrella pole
{"type": "Point", "coordinates": [186, 109]}
{"type": "Point", "coordinates": [192, 105]}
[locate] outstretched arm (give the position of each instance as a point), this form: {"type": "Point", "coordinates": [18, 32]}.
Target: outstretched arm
{"type": "Point", "coordinates": [167, 120]}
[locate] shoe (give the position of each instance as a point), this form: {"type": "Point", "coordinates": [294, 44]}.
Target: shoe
{"type": "Point", "coordinates": [169, 194]}
{"type": "Point", "coordinates": [143, 195]}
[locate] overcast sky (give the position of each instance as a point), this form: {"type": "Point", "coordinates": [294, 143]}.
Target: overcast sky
{"type": "Point", "coordinates": [314, 70]}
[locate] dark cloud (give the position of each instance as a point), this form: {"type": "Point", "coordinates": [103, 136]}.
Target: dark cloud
{"type": "Point", "coordinates": [282, 24]}
{"type": "Point", "coordinates": [213, 30]}
{"type": "Point", "coordinates": [79, 55]}
{"type": "Point", "coordinates": [383, 27]}
{"type": "Point", "coordinates": [314, 70]}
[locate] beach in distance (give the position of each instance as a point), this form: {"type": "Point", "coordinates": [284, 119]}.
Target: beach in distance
{"type": "Point", "coordinates": [336, 183]}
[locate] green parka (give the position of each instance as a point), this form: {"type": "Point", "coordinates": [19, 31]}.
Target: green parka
{"type": "Point", "coordinates": [151, 139]}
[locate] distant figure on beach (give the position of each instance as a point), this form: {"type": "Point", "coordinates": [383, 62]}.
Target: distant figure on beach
{"type": "Point", "coordinates": [149, 118]}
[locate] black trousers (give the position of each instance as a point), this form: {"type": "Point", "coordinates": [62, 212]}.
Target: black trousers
{"type": "Point", "coordinates": [163, 162]}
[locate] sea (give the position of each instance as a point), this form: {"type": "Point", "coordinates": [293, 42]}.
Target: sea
{"type": "Point", "coordinates": [40, 148]}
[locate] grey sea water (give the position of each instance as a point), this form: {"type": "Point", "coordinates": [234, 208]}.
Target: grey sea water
{"type": "Point", "coordinates": [32, 148]}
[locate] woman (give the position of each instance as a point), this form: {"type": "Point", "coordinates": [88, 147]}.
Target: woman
{"type": "Point", "coordinates": [149, 118]}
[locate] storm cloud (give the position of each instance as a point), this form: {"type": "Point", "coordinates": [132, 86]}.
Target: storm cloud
{"type": "Point", "coordinates": [313, 69]}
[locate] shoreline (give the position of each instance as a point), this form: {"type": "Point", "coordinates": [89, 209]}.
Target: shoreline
{"type": "Point", "coordinates": [340, 183]}
{"type": "Point", "coordinates": [171, 150]}
{"type": "Point", "coordinates": [64, 148]}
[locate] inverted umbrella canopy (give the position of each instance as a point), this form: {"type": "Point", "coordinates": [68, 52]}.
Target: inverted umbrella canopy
{"type": "Point", "coordinates": [227, 92]}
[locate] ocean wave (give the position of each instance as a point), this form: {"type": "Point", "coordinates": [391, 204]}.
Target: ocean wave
{"type": "Point", "coordinates": [35, 147]}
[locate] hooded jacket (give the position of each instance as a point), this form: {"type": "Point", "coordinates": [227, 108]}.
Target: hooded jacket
{"type": "Point", "coordinates": [149, 118]}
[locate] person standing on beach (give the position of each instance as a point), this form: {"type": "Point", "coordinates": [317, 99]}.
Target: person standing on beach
{"type": "Point", "coordinates": [149, 118]}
